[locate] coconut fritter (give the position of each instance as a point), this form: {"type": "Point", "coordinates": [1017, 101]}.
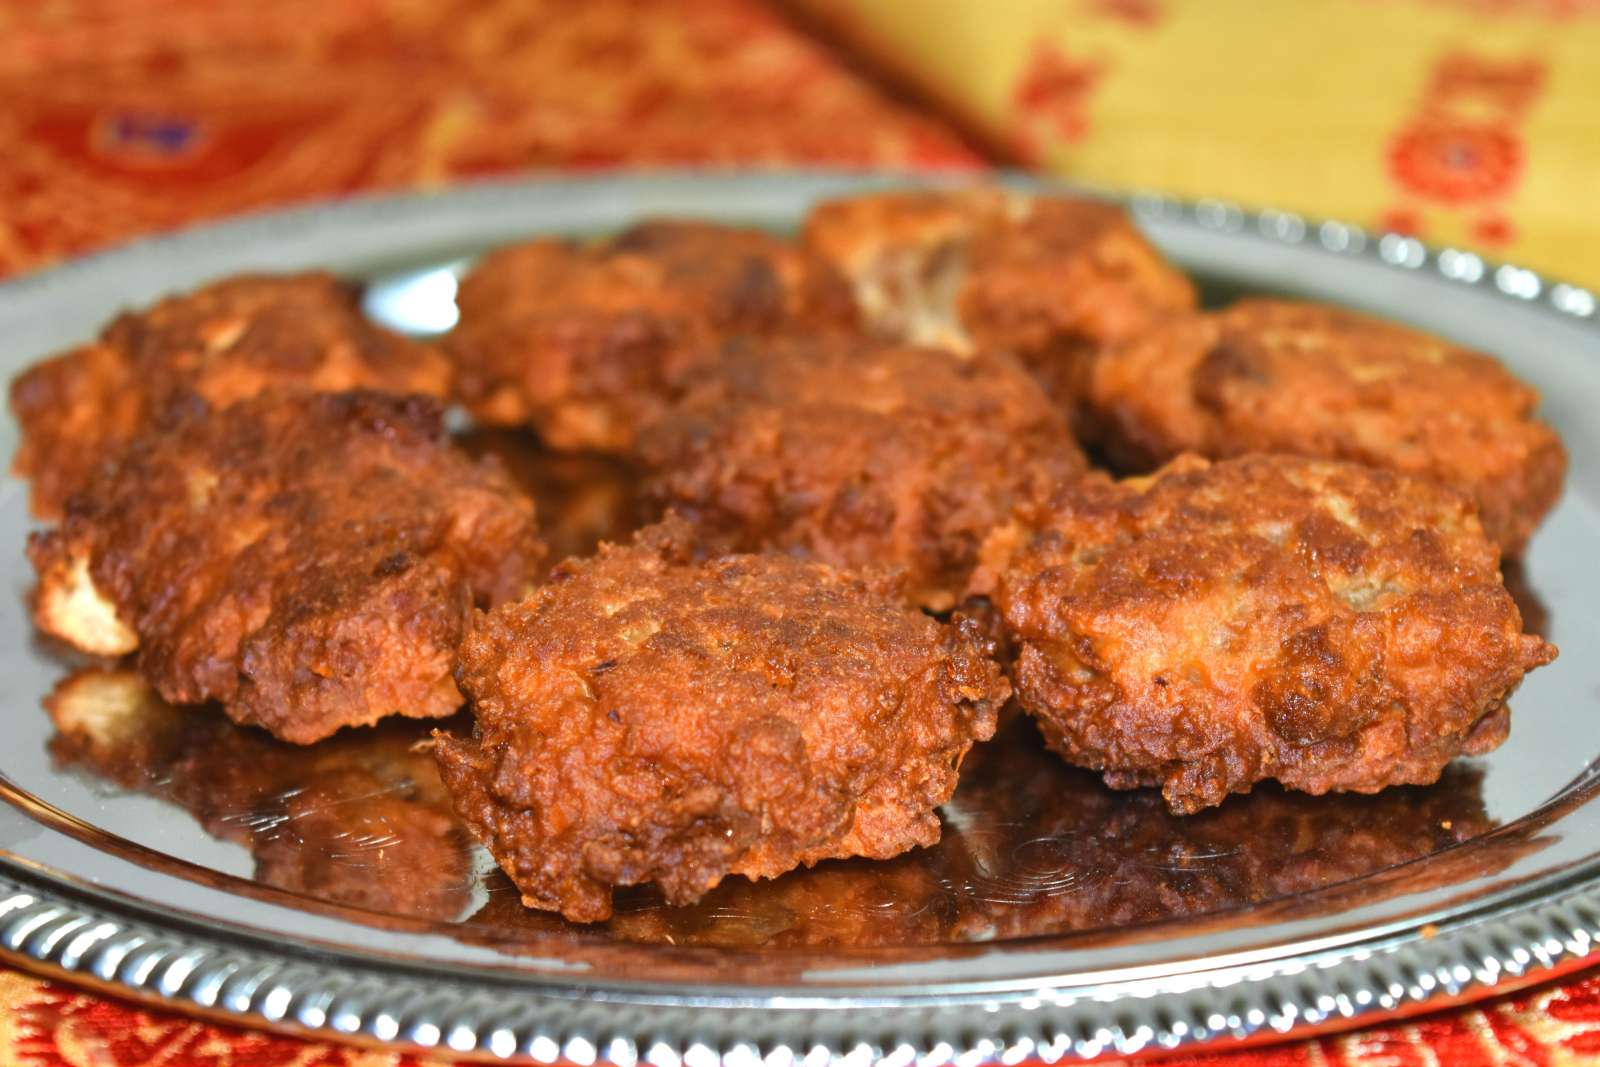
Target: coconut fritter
{"type": "Point", "coordinates": [1051, 279]}
{"type": "Point", "coordinates": [588, 342]}
{"type": "Point", "coordinates": [224, 342]}
{"type": "Point", "coordinates": [861, 453]}
{"type": "Point", "coordinates": [647, 718]}
{"type": "Point", "coordinates": [1279, 376]}
{"type": "Point", "coordinates": [307, 561]}
{"type": "Point", "coordinates": [1324, 624]}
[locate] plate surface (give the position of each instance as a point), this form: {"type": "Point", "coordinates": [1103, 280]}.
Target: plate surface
{"type": "Point", "coordinates": [169, 855]}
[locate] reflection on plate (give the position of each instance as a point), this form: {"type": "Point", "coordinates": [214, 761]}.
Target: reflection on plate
{"type": "Point", "coordinates": [1031, 846]}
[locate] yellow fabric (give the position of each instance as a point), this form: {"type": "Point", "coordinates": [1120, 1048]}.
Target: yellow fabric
{"type": "Point", "coordinates": [1472, 123]}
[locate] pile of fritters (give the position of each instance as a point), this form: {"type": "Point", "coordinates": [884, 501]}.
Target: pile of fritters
{"type": "Point", "coordinates": [871, 520]}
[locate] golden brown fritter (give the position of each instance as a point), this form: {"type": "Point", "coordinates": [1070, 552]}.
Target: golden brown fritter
{"type": "Point", "coordinates": [647, 718]}
{"type": "Point", "coordinates": [1050, 279]}
{"type": "Point", "coordinates": [588, 342]}
{"type": "Point", "coordinates": [860, 454]}
{"type": "Point", "coordinates": [225, 342]}
{"type": "Point", "coordinates": [1324, 624]}
{"type": "Point", "coordinates": [1279, 376]}
{"type": "Point", "coordinates": [307, 561]}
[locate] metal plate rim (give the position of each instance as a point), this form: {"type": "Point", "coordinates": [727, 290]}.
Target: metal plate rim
{"type": "Point", "coordinates": [41, 928]}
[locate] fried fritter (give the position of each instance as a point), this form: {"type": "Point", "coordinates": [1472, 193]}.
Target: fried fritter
{"type": "Point", "coordinates": [225, 342]}
{"type": "Point", "coordinates": [589, 342]}
{"type": "Point", "coordinates": [1279, 376]}
{"type": "Point", "coordinates": [647, 718]}
{"type": "Point", "coordinates": [1324, 624]}
{"type": "Point", "coordinates": [1050, 279]}
{"type": "Point", "coordinates": [860, 454]}
{"type": "Point", "coordinates": [307, 561]}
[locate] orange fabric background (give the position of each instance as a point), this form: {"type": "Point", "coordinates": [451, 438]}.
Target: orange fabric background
{"type": "Point", "coordinates": [123, 117]}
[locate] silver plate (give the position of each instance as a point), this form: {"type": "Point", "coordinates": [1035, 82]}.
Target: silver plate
{"type": "Point", "coordinates": [171, 857]}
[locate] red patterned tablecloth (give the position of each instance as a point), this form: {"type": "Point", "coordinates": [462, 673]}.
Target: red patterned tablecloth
{"type": "Point", "coordinates": [123, 117]}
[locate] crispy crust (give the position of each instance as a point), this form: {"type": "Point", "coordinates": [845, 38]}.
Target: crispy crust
{"type": "Point", "coordinates": [588, 342]}
{"type": "Point", "coordinates": [1277, 376]}
{"type": "Point", "coordinates": [225, 342]}
{"type": "Point", "coordinates": [646, 718]}
{"type": "Point", "coordinates": [1327, 625]}
{"type": "Point", "coordinates": [309, 562]}
{"type": "Point", "coordinates": [1049, 279]}
{"type": "Point", "coordinates": [860, 454]}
